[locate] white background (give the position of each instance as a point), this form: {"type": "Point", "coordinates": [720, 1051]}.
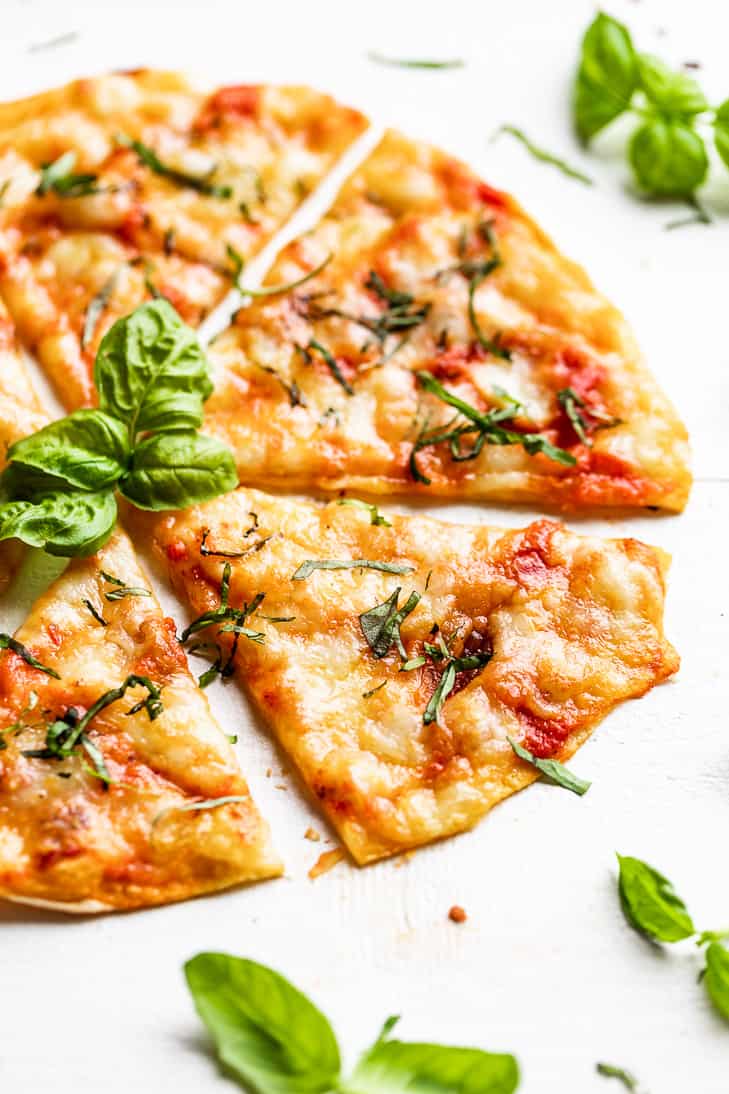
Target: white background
{"type": "Point", "coordinates": [545, 965]}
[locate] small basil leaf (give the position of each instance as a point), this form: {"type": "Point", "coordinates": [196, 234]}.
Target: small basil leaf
{"type": "Point", "coordinates": [674, 93]}
{"type": "Point", "coordinates": [150, 371]}
{"type": "Point", "coordinates": [607, 76]}
{"type": "Point", "coordinates": [391, 1067]}
{"type": "Point", "coordinates": [721, 131]}
{"type": "Point", "coordinates": [716, 977]}
{"type": "Point", "coordinates": [88, 449]}
{"type": "Point", "coordinates": [650, 904]}
{"type": "Point", "coordinates": [311, 564]}
{"type": "Point", "coordinates": [175, 470]}
{"type": "Point", "coordinates": [553, 769]}
{"type": "Point", "coordinates": [381, 624]}
{"type": "Point", "coordinates": [18, 483]}
{"type": "Point", "coordinates": [268, 1033]}
{"type": "Point", "coordinates": [69, 525]}
{"type": "Point", "coordinates": [668, 158]}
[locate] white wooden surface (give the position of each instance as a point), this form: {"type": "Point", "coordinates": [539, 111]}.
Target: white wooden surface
{"type": "Point", "coordinates": [545, 966]}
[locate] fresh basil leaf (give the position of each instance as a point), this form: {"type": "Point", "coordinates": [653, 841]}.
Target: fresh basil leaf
{"type": "Point", "coordinates": [673, 93]}
{"type": "Point", "coordinates": [175, 470]}
{"type": "Point", "coordinates": [721, 131]}
{"type": "Point", "coordinates": [381, 624]}
{"type": "Point", "coordinates": [716, 977]}
{"type": "Point", "coordinates": [19, 483]}
{"type": "Point", "coordinates": [312, 564]}
{"type": "Point", "coordinates": [89, 449]}
{"type": "Point", "coordinates": [265, 1031]}
{"type": "Point", "coordinates": [668, 158]}
{"type": "Point", "coordinates": [607, 76]}
{"type": "Point", "coordinates": [7, 642]}
{"type": "Point", "coordinates": [553, 769]}
{"type": "Point", "coordinates": [391, 1067]}
{"type": "Point", "coordinates": [375, 515]}
{"type": "Point", "coordinates": [650, 904]}
{"type": "Point", "coordinates": [69, 525]}
{"type": "Point", "coordinates": [150, 371]}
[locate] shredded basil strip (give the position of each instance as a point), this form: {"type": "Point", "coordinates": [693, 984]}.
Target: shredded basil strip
{"type": "Point", "coordinates": [121, 590]}
{"type": "Point", "coordinates": [310, 565]}
{"type": "Point", "coordinates": [201, 183]}
{"type": "Point", "coordinates": [97, 615]}
{"type": "Point", "coordinates": [448, 680]}
{"type": "Point", "coordinates": [396, 62]}
{"type": "Point", "coordinates": [330, 361]}
{"type": "Point", "coordinates": [375, 515]}
{"type": "Point", "coordinates": [59, 177]}
{"type": "Point", "coordinates": [553, 769]}
{"type": "Point", "coordinates": [97, 307]}
{"type": "Point", "coordinates": [7, 642]}
{"type": "Point", "coordinates": [543, 156]}
{"type": "Point", "coordinates": [611, 1072]}
{"type": "Point", "coordinates": [381, 624]}
{"type": "Point", "coordinates": [209, 803]}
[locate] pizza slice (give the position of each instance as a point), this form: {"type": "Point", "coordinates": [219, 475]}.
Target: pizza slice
{"type": "Point", "coordinates": [117, 787]}
{"type": "Point", "coordinates": [132, 184]}
{"type": "Point", "coordinates": [447, 348]}
{"type": "Point", "coordinates": [396, 658]}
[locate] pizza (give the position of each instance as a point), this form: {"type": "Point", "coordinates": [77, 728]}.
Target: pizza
{"type": "Point", "coordinates": [117, 787]}
{"type": "Point", "coordinates": [136, 184]}
{"type": "Point", "coordinates": [397, 658]}
{"type": "Point", "coordinates": [446, 349]}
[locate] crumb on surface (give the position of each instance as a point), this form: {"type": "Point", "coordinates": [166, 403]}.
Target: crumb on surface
{"type": "Point", "coordinates": [457, 914]}
{"type": "Point", "coordinates": [327, 861]}
{"type": "Point", "coordinates": [312, 834]}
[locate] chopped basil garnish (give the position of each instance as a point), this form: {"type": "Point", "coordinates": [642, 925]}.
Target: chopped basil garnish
{"type": "Point", "coordinates": [553, 769]}
{"type": "Point", "coordinates": [59, 177]}
{"type": "Point", "coordinates": [311, 564]}
{"type": "Point", "coordinates": [329, 360]}
{"type": "Point", "coordinates": [202, 183]}
{"type": "Point", "coordinates": [120, 590]}
{"type": "Point", "coordinates": [7, 642]}
{"type": "Point", "coordinates": [68, 733]}
{"type": "Point", "coordinates": [397, 62]}
{"type": "Point", "coordinates": [206, 552]}
{"type": "Point", "coordinates": [229, 620]}
{"type": "Point", "coordinates": [97, 307]}
{"type": "Point", "coordinates": [97, 615]}
{"type": "Point", "coordinates": [572, 404]}
{"type": "Point", "coordinates": [610, 1072]}
{"type": "Point", "coordinates": [375, 515]}
{"type": "Point", "coordinates": [196, 807]}
{"type": "Point", "coordinates": [278, 290]}
{"type": "Point", "coordinates": [481, 428]}
{"type": "Point", "coordinates": [543, 156]}
{"type": "Point", "coordinates": [373, 691]}
{"type": "Point", "coordinates": [381, 624]}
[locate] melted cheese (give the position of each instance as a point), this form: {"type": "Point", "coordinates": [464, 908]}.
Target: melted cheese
{"type": "Point", "coordinates": [71, 841]}
{"type": "Point", "coordinates": [269, 145]}
{"type": "Point", "coordinates": [412, 215]}
{"type": "Point", "coordinates": [575, 625]}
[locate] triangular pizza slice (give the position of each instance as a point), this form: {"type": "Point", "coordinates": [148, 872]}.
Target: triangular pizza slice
{"type": "Point", "coordinates": [117, 787]}
{"type": "Point", "coordinates": [447, 348]}
{"type": "Point", "coordinates": [395, 658]}
{"type": "Point", "coordinates": [136, 183]}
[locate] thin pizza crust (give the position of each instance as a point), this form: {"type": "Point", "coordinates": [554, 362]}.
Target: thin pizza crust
{"type": "Point", "coordinates": [423, 224]}
{"type": "Point", "coordinates": [68, 841]}
{"type": "Point", "coordinates": [573, 623]}
{"type": "Point", "coordinates": [142, 232]}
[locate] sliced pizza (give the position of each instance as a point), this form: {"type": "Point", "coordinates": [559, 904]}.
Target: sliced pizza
{"type": "Point", "coordinates": [136, 184]}
{"type": "Point", "coordinates": [397, 658]}
{"type": "Point", "coordinates": [447, 348]}
{"type": "Point", "coordinates": [117, 787]}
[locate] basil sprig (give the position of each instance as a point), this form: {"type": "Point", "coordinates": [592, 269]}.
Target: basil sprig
{"type": "Point", "coordinates": [653, 908]}
{"type": "Point", "coordinates": [552, 769]}
{"type": "Point", "coordinates": [152, 378]}
{"type": "Point", "coordinates": [275, 1041]}
{"type": "Point", "coordinates": [666, 151]}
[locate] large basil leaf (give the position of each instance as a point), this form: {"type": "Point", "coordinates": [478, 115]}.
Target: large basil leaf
{"type": "Point", "coordinates": [716, 977]}
{"type": "Point", "coordinates": [150, 371]}
{"type": "Point", "coordinates": [650, 904]}
{"type": "Point", "coordinates": [607, 76]}
{"type": "Point", "coordinates": [265, 1031]}
{"type": "Point", "coordinates": [174, 470]}
{"type": "Point", "coordinates": [674, 93]}
{"type": "Point", "coordinates": [64, 524]}
{"type": "Point", "coordinates": [88, 449]}
{"type": "Point", "coordinates": [668, 158]}
{"type": "Point", "coordinates": [391, 1067]}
